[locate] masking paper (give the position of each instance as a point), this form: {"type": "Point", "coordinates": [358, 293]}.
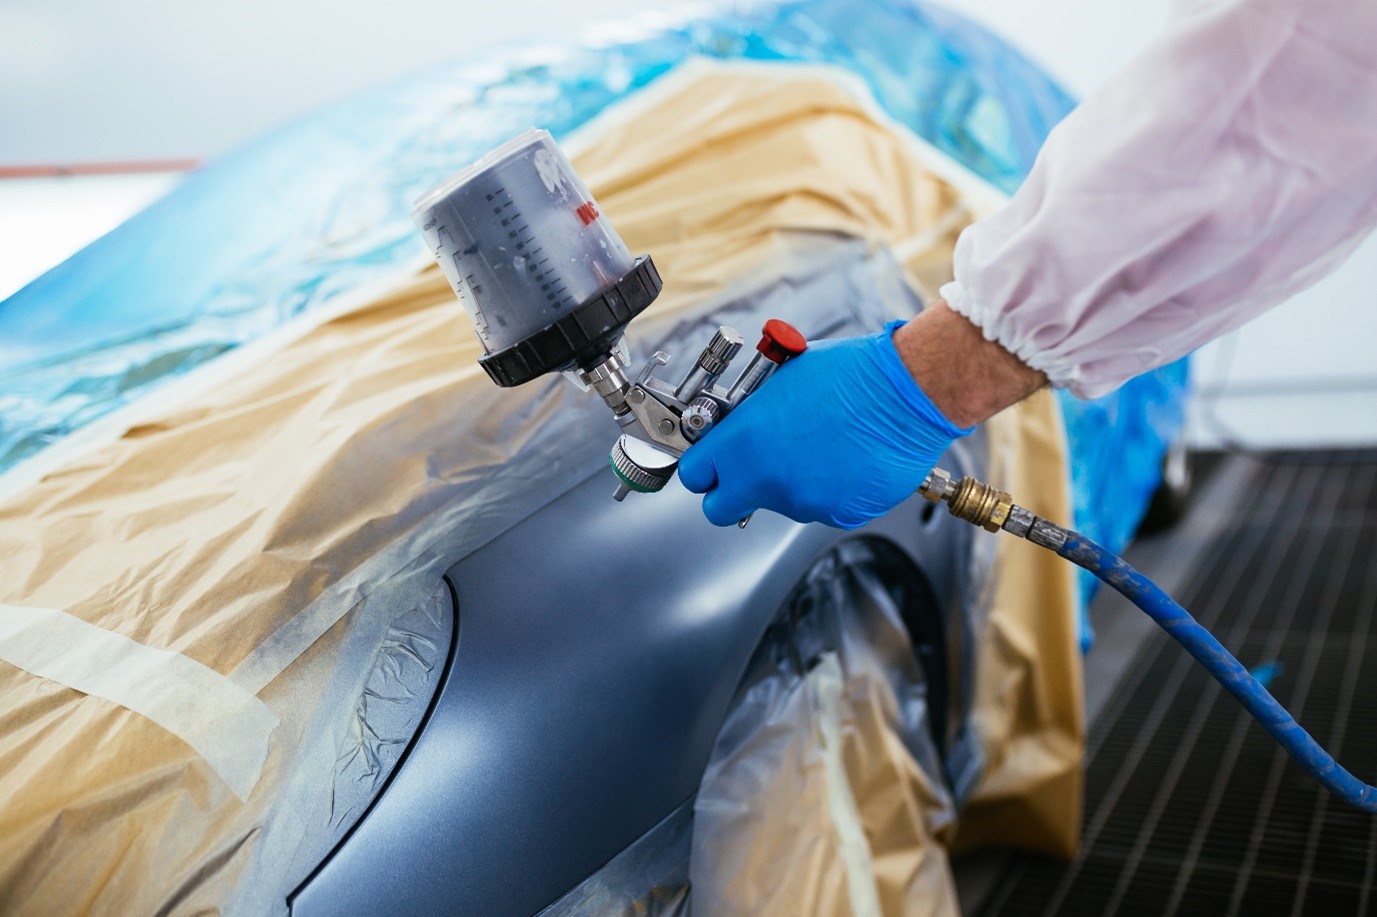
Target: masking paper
{"type": "Point", "coordinates": [282, 527]}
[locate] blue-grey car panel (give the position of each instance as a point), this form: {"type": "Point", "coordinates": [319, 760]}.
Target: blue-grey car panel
{"type": "Point", "coordinates": [599, 646]}
{"type": "Point", "coordinates": [589, 683]}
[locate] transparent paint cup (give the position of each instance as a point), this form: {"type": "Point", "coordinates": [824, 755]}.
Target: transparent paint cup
{"type": "Point", "coordinates": [520, 239]}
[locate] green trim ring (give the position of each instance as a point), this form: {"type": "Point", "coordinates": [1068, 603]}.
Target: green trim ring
{"type": "Point", "coordinates": [640, 489]}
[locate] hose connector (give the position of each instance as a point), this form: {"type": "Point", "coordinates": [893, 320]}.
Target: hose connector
{"type": "Point", "coordinates": [990, 508]}
{"type": "Point", "coordinates": [974, 501]}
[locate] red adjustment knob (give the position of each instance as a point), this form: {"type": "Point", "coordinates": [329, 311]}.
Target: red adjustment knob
{"type": "Point", "coordinates": [781, 341]}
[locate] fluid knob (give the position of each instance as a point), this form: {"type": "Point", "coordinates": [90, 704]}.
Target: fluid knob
{"type": "Point", "coordinates": [640, 466]}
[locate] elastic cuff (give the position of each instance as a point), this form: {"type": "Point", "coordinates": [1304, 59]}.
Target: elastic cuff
{"type": "Point", "coordinates": [997, 328]}
{"type": "Point", "coordinates": [892, 365]}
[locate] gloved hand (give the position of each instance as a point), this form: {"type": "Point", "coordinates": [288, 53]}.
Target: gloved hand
{"type": "Point", "coordinates": [840, 434]}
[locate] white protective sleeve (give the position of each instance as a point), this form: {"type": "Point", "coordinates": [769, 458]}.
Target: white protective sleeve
{"type": "Point", "coordinates": [1230, 165]}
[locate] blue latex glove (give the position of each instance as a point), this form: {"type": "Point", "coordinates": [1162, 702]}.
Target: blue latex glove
{"type": "Point", "coordinates": [840, 434]}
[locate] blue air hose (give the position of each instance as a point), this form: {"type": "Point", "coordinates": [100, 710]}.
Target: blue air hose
{"type": "Point", "coordinates": [993, 510]}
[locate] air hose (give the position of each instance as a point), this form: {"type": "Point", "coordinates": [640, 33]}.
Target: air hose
{"type": "Point", "coordinates": [991, 509]}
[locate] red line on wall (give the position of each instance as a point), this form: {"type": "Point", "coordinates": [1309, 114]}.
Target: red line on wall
{"type": "Point", "coordinates": [125, 167]}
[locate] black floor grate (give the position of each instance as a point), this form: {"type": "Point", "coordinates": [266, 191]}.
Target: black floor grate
{"type": "Point", "coordinates": [1190, 806]}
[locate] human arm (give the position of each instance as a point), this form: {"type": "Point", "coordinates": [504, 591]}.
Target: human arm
{"type": "Point", "coordinates": [1230, 165]}
{"type": "Point", "coordinates": [968, 377]}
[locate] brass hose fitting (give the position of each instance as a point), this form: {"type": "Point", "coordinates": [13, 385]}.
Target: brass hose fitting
{"type": "Point", "coordinates": [980, 504]}
{"type": "Point", "coordinates": [991, 509]}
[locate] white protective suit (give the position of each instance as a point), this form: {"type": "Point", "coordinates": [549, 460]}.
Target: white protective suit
{"type": "Point", "coordinates": [1230, 165]}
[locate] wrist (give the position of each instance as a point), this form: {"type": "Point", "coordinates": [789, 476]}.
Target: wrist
{"type": "Point", "coordinates": [967, 377]}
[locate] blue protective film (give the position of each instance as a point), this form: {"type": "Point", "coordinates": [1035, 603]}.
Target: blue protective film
{"type": "Point", "coordinates": [1116, 446]}
{"type": "Point", "coordinates": [321, 207]}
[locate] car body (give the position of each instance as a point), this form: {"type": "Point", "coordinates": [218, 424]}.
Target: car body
{"type": "Point", "coordinates": [509, 682]}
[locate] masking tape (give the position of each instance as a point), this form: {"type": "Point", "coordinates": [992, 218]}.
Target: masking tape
{"type": "Point", "coordinates": [825, 689]}
{"type": "Point", "coordinates": [386, 572]}
{"type": "Point", "coordinates": [227, 725]}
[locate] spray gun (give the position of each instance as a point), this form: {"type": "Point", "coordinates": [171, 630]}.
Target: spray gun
{"type": "Point", "coordinates": [551, 287]}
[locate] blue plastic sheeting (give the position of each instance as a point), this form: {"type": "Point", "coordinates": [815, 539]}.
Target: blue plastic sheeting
{"type": "Point", "coordinates": [322, 207]}
{"type": "Point", "coordinates": [1116, 445]}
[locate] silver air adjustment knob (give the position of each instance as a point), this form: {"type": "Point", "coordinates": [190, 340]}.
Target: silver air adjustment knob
{"type": "Point", "coordinates": [699, 418]}
{"type": "Point", "coordinates": [711, 363]}
{"type": "Point", "coordinates": [725, 345]}
{"type": "Point", "coordinates": [640, 467]}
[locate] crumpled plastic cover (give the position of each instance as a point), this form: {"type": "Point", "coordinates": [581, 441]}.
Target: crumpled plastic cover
{"type": "Point", "coordinates": [1116, 444]}
{"type": "Point", "coordinates": [824, 794]}
{"type": "Point", "coordinates": [209, 520]}
{"type": "Point", "coordinates": [320, 207]}
{"type": "Point", "coordinates": [273, 523]}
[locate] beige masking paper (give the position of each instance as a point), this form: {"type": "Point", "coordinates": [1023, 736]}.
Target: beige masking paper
{"type": "Point", "coordinates": [209, 525]}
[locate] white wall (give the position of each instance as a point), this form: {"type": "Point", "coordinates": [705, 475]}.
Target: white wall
{"type": "Point", "coordinates": [93, 81]}
{"type": "Point", "coordinates": [1080, 42]}
{"type": "Point", "coordinates": [85, 81]}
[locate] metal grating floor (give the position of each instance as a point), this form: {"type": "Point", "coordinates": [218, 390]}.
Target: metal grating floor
{"type": "Point", "coordinates": [1190, 807]}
